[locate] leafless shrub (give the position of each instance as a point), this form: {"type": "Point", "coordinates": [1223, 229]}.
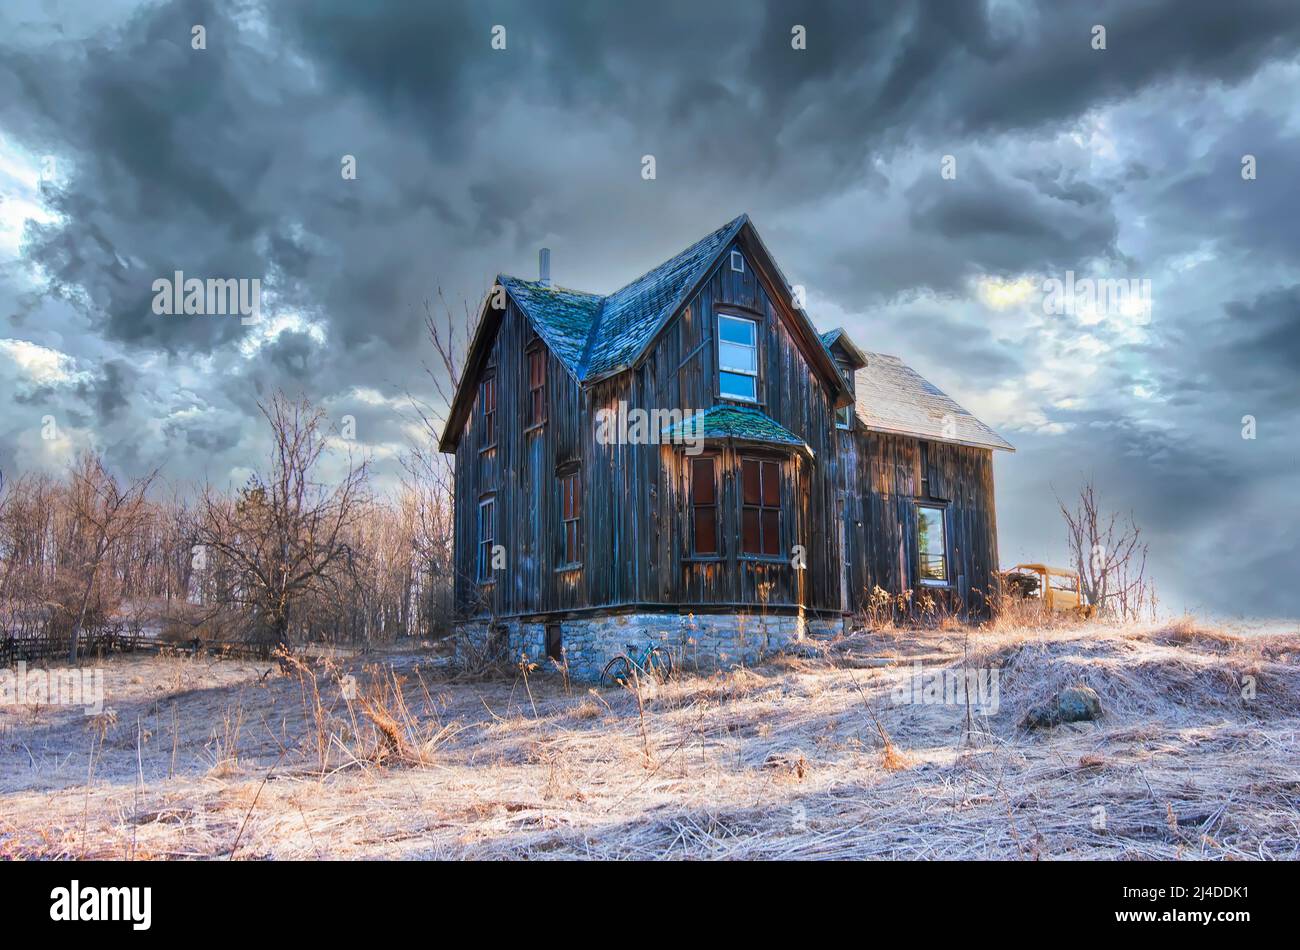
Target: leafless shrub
{"type": "Point", "coordinates": [1108, 552]}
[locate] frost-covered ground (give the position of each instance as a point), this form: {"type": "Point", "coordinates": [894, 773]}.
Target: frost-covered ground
{"type": "Point", "coordinates": [1196, 755]}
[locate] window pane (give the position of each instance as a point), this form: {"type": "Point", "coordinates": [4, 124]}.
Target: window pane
{"type": "Point", "coordinates": [735, 356]}
{"type": "Point", "coordinates": [702, 486]}
{"type": "Point", "coordinates": [771, 531]}
{"type": "Point", "coordinates": [930, 544]}
{"type": "Point", "coordinates": [771, 484]}
{"type": "Point", "coordinates": [749, 531]}
{"type": "Point", "coordinates": [736, 330]}
{"type": "Point", "coordinates": [736, 386]}
{"type": "Point", "coordinates": [706, 531]}
{"type": "Point", "coordinates": [933, 568]}
{"type": "Point", "coordinates": [930, 526]}
{"type": "Point", "coordinates": [749, 477]}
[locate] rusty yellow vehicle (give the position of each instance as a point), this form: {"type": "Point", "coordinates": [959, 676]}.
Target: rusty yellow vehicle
{"type": "Point", "coordinates": [1058, 587]}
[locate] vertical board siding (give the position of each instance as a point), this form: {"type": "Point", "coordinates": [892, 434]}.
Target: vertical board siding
{"type": "Point", "coordinates": [882, 490]}
{"type": "Point", "coordinates": [635, 511]}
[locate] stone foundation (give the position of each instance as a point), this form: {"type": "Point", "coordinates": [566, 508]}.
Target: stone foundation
{"type": "Point", "coordinates": [703, 642]}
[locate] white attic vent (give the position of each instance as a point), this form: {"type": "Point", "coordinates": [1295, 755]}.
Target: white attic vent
{"type": "Point", "coordinates": [738, 262]}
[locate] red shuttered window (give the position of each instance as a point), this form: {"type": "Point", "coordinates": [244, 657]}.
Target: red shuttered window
{"type": "Point", "coordinates": [571, 516]}
{"type": "Point", "coordinates": [704, 506]}
{"type": "Point", "coordinates": [536, 386]}
{"type": "Point", "coordinates": [760, 513]}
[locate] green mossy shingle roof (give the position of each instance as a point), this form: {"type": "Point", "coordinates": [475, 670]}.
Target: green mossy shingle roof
{"type": "Point", "coordinates": [564, 318]}
{"type": "Point", "coordinates": [595, 335]}
{"type": "Point", "coordinates": [733, 422]}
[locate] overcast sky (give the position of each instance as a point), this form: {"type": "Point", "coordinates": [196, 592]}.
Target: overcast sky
{"type": "Point", "coordinates": [126, 155]}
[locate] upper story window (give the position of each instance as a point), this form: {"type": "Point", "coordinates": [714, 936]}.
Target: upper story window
{"type": "Point", "coordinates": [487, 395]}
{"type": "Point", "coordinates": [571, 516]}
{"type": "Point", "coordinates": [737, 358]}
{"type": "Point", "coordinates": [704, 506]}
{"type": "Point", "coordinates": [760, 513]}
{"type": "Point", "coordinates": [486, 537]}
{"type": "Point", "coordinates": [844, 417]}
{"type": "Point", "coordinates": [536, 386]}
{"type": "Point", "coordinates": [931, 550]}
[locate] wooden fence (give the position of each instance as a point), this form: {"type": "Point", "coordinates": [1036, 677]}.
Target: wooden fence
{"type": "Point", "coordinates": [99, 644]}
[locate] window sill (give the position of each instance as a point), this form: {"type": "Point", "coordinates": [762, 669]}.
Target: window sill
{"type": "Point", "coordinates": [535, 427]}
{"type": "Point", "coordinates": [704, 559]}
{"type": "Point", "coordinates": [487, 448]}
{"type": "Point", "coordinates": [762, 558]}
{"type": "Point", "coordinates": [936, 585]}
{"type": "Point", "coordinates": [565, 568]}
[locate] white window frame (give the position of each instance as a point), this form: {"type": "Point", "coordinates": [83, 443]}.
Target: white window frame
{"type": "Point", "coordinates": [753, 374]}
{"type": "Point", "coordinates": [738, 262]}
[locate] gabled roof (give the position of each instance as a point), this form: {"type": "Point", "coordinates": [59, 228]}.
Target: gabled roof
{"type": "Point", "coordinates": [633, 315]}
{"type": "Point", "coordinates": [733, 422]}
{"type": "Point", "coordinates": [893, 397]}
{"type": "Point", "coordinates": [563, 317]}
{"type": "Point", "coordinates": [832, 337]}
{"type": "Point", "coordinates": [595, 336]}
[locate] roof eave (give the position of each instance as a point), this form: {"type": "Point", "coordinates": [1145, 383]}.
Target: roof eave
{"type": "Point", "coordinates": [812, 339]}
{"type": "Point", "coordinates": [1003, 446]}
{"type": "Point", "coordinates": [462, 401]}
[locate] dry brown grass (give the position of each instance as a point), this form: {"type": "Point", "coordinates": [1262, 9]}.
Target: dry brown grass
{"type": "Point", "coordinates": [804, 757]}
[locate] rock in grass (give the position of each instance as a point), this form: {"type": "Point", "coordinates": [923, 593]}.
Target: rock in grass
{"type": "Point", "coordinates": [1074, 704]}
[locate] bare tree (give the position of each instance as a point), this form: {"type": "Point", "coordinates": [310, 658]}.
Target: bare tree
{"type": "Point", "coordinates": [1109, 555]}
{"type": "Point", "coordinates": [104, 512]}
{"type": "Point", "coordinates": [431, 475]}
{"type": "Point", "coordinates": [286, 537]}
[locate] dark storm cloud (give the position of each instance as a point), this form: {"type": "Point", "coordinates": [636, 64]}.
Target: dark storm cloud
{"type": "Point", "coordinates": [111, 391]}
{"type": "Point", "coordinates": [1262, 342]}
{"type": "Point", "coordinates": [194, 160]}
{"type": "Point", "coordinates": [1005, 223]}
{"type": "Point", "coordinates": [205, 436]}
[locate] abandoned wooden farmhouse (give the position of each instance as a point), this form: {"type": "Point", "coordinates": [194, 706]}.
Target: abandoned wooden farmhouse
{"type": "Point", "coordinates": [689, 461]}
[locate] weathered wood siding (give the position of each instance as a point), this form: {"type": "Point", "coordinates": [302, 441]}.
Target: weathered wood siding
{"type": "Point", "coordinates": [635, 511]}
{"type": "Point", "coordinates": [520, 473]}
{"type": "Point", "coordinates": [857, 491]}
{"type": "Point", "coordinates": [681, 371]}
{"type": "Point", "coordinates": [882, 490]}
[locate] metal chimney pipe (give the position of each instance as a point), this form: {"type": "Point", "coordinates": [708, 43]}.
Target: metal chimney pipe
{"type": "Point", "coordinates": [544, 266]}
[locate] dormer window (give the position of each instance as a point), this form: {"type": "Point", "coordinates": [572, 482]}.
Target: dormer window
{"type": "Point", "coordinates": [737, 358]}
